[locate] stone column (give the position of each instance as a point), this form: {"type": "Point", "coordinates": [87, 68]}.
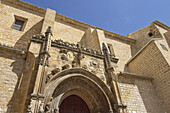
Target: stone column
{"type": "Point", "coordinates": [111, 79]}
{"type": "Point", "coordinates": [38, 92]}
{"type": "Point", "coordinates": [49, 19]}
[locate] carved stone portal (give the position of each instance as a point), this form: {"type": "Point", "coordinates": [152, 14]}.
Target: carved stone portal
{"type": "Point", "coordinates": [65, 67]}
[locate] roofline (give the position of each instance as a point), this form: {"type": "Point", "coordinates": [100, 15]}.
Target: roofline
{"type": "Point", "coordinates": [27, 6]}
{"type": "Point", "coordinates": [161, 24]}
{"type": "Point", "coordinates": [68, 20]}
{"type": "Point", "coordinates": [156, 22]}
{"type": "Point", "coordinates": [86, 26]}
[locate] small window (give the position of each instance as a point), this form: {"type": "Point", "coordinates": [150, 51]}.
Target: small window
{"type": "Point", "coordinates": [150, 34]}
{"type": "Point", "coordinates": [110, 48]}
{"type": "Point", "coordinates": [19, 23]}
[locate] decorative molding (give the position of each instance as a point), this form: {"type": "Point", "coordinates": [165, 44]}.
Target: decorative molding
{"type": "Point", "coordinates": [112, 35]}
{"type": "Point", "coordinates": [86, 26]}
{"type": "Point", "coordinates": [10, 48]}
{"type": "Point", "coordinates": [74, 47]}
{"type": "Point", "coordinates": [26, 6]}
{"type": "Point", "coordinates": [161, 24]}
{"type": "Point", "coordinates": [69, 20]}
{"type": "Point", "coordinates": [135, 75]}
{"type": "Point", "coordinates": [37, 96]}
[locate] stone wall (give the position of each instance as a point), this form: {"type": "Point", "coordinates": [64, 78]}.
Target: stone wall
{"type": "Point", "coordinates": [67, 32]}
{"type": "Point", "coordinates": [62, 59]}
{"type": "Point", "coordinates": [11, 67]}
{"type": "Point", "coordinates": [143, 36]}
{"type": "Point", "coordinates": [151, 62]}
{"type": "Point", "coordinates": [139, 95]}
{"type": "Point", "coordinates": [11, 37]}
{"type": "Point", "coordinates": [122, 51]}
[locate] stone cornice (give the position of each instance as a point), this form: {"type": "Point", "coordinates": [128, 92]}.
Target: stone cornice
{"type": "Point", "coordinates": [86, 26]}
{"type": "Point", "coordinates": [123, 38]}
{"type": "Point", "coordinates": [161, 24]}
{"type": "Point", "coordinates": [69, 20]}
{"type": "Point", "coordinates": [12, 49]}
{"type": "Point", "coordinates": [74, 47]}
{"type": "Point", "coordinates": [26, 5]}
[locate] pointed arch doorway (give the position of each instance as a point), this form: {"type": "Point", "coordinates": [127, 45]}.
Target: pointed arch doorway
{"type": "Point", "coordinates": [73, 104]}
{"type": "Point", "coordinates": [87, 86]}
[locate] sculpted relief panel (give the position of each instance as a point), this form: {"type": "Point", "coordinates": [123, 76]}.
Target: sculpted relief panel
{"type": "Point", "coordinates": [62, 59]}
{"type": "Point", "coordinates": [94, 65]}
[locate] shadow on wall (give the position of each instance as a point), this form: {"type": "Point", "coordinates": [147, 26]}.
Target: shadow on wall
{"type": "Point", "coordinates": [18, 64]}
{"type": "Point", "coordinates": [24, 41]}
{"type": "Point", "coordinates": [12, 70]}
{"type": "Point", "coordinates": [140, 93]}
{"type": "Point", "coordinates": [22, 8]}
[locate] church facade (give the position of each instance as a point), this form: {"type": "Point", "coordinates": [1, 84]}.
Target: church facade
{"type": "Point", "coordinates": [50, 63]}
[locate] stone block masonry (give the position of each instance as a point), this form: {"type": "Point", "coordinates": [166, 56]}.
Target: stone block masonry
{"type": "Point", "coordinates": [151, 62]}
{"type": "Point", "coordinates": [139, 95]}
{"type": "Point", "coordinates": [11, 66]}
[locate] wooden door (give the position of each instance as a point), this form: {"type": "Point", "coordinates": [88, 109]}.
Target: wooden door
{"type": "Point", "coordinates": [73, 104]}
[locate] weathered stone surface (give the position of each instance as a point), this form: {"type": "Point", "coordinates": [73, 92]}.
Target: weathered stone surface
{"type": "Point", "coordinates": [157, 67]}
{"type": "Point", "coordinates": [39, 70]}
{"type": "Point", "coordinates": [11, 67]}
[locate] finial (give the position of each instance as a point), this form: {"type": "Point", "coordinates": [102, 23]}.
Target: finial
{"type": "Point", "coordinates": [48, 31]}
{"type": "Point", "coordinates": [104, 47]}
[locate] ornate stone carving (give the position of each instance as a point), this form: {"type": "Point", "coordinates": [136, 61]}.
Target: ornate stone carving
{"type": "Point", "coordinates": [79, 48]}
{"type": "Point", "coordinates": [56, 111]}
{"type": "Point", "coordinates": [44, 56]}
{"type": "Point", "coordinates": [63, 51]}
{"type": "Point", "coordinates": [48, 31]}
{"type": "Point", "coordinates": [41, 108]}
{"type": "Point", "coordinates": [106, 55]}
{"type": "Point", "coordinates": [84, 66]}
{"type": "Point", "coordinates": [48, 78]}
{"type": "Point", "coordinates": [39, 37]}
{"type": "Point", "coordinates": [93, 51]}
{"type": "Point", "coordinates": [75, 64]}
{"type": "Point", "coordinates": [102, 78]}
{"type": "Point", "coordinates": [29, 109]}
{"type": "Point", "coordinates": [65, 67]}
{"type": "Point", "coordinates": [64, 57]}
{"type": "Point", "coordinates": [93, 71]}
{"type": "Point", "coordinates": [54, 71]}
{"type": "Point", "coordinates": [48, 106]}
{"type": "Point", "coordinates": [94, 64]}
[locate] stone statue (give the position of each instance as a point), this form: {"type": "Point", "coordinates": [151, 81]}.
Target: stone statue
{"type": "Point", "coordinates": [48, 105]}
{"type": "Point", "coordinates": [48, 31]}
{"type": "Point", "coordinates": [29, 109]}
{"type": "Point", "coordinates": [47, 108]}
{"type": "Point", "coordinates": [41, 108]}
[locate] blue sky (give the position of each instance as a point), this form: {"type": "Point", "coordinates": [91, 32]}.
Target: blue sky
{"type": "Point", "coordinates": [119, 16]}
